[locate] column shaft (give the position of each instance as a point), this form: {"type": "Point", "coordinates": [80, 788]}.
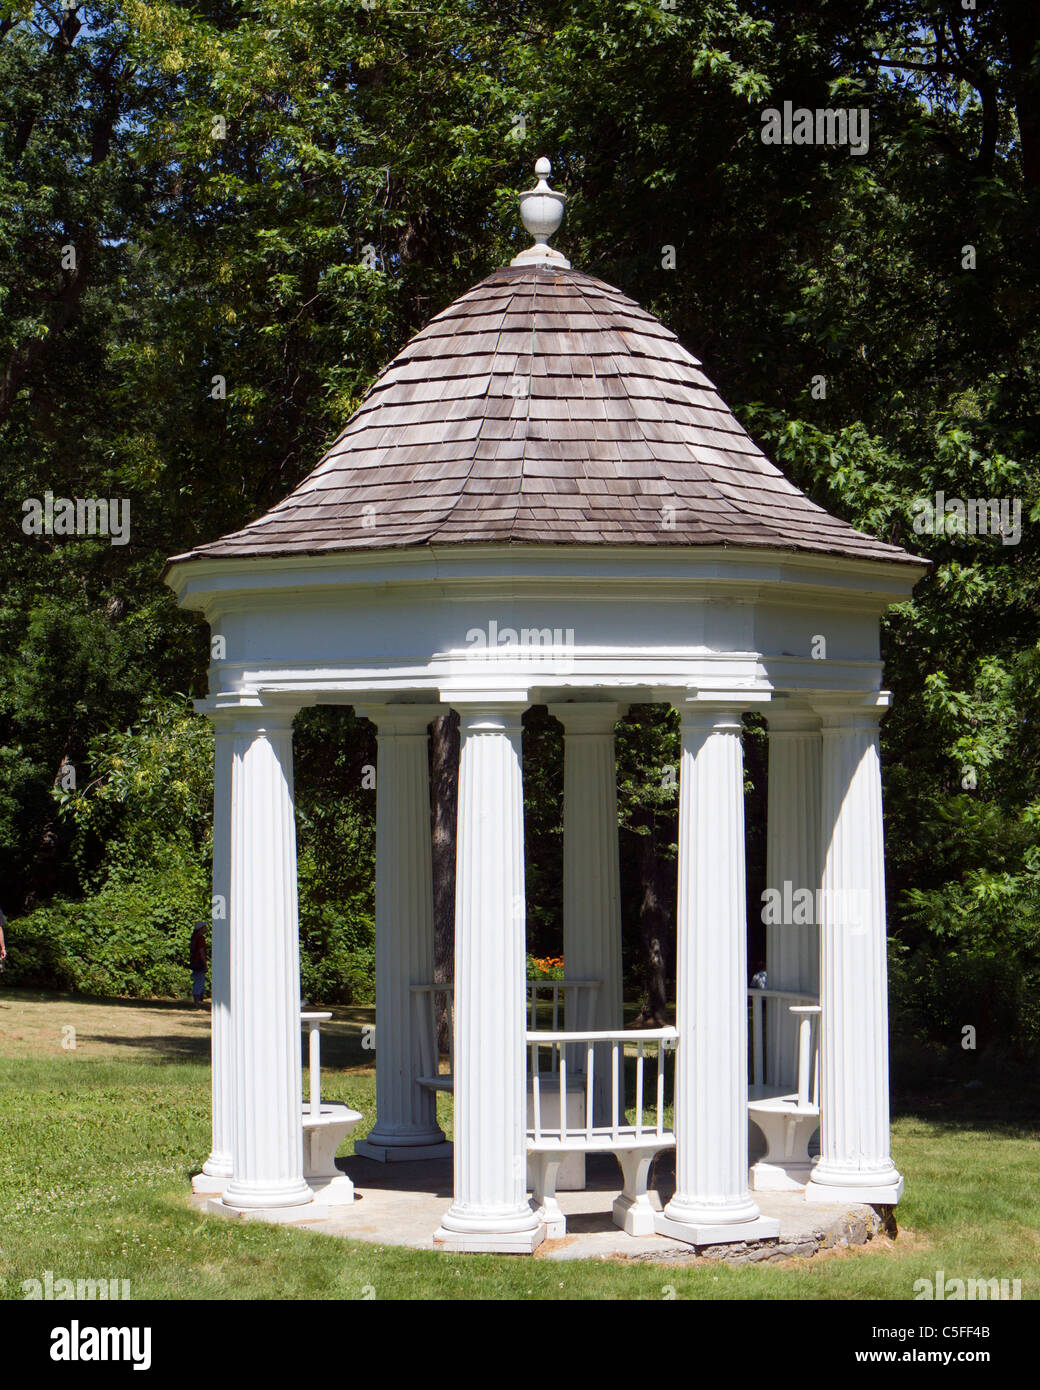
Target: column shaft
{"type": "Point", "coordinates": [490, 1210]}
{"type": "Point", "coordinates": [265, 971]}
{"type": "Point", "coordinates": [793, 871]}
{"type": "Point", "coordinates": [855, 1163]}
{"type": "Point", "coordinates": [406, 1116]}
{"type": "Point", "coordinates": [217, 1168]}
{"type": "Point", "coordinates": [712, 1201]}
{"type": "Point", "coordinates": [591, 872]}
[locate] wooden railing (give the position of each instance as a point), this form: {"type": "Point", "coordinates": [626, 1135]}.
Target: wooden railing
{"type": "Point", "coordinates": [763, 1002]}
{"type": "Point", "coordinates": [586, 1133]}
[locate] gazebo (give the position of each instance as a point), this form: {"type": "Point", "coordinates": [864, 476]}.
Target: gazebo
{"type": "Point", "coordinates": [544, 501]}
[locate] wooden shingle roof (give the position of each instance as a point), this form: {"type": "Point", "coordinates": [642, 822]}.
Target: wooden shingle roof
{"type": "Point", "coordinates": [541, 407]}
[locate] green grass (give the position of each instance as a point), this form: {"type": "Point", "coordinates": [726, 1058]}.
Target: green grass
{"type": "Point", "coordinates": [98, 1145]}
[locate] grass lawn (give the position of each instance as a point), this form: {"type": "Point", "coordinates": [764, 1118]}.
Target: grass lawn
{"type": "Point", "coordinates": [99, 1141]}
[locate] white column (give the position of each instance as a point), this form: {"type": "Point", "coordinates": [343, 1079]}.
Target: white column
{"type": "Point", "coordinates": [712, 1203]}
{"type": "Point", "coordinates": [217, 1168]}
{"type": "Point", "coordinates": [406, 1114]}
{"type": "Point", "coordinates": [793, 870]}
{"type": "Point", "coordinates": [267, 1143]}
{"type": "Point", "coordinates": [855, 1164]}
{"type": "Point", "coordinates": [591, 871]}
{"type": "Point", "coordinates": [491, 1210]}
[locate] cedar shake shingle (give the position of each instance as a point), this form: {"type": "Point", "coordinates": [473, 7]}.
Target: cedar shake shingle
{"type": "Point", "coordinates": [541, 407]}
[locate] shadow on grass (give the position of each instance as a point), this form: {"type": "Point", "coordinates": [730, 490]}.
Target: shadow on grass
{"type": "Point", "coordinates": [957, 1092]}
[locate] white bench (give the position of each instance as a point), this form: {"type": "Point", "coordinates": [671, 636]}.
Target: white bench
{"type": "Point", "coordinates": [634, 1145]}
{"type": "Point", "coordinates": [788, 1119]}
{"type": "Point", "coordinates": [326, 1124]}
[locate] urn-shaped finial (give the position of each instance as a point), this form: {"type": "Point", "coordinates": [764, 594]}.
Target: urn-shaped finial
{"type": "Point", "coordinates": [541, 210]}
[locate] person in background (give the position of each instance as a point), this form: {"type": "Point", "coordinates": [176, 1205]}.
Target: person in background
{"type": "Point", "coordinates": [3, 943]}
{"type": "Point", "coordinates": [197, 961]}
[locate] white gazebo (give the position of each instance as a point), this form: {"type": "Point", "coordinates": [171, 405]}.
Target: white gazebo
{"type": "Point", "coordinates": [543, 500]}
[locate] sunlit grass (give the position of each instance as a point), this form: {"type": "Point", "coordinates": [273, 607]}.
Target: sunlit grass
{"type": "Point", "coordinates": [98, 1145]}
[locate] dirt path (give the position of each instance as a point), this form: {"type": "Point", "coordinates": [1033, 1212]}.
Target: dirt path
{"type": "Point", "coordinates": [34, 1023]}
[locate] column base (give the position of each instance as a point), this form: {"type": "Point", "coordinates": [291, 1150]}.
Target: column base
{"type": "Point", "coordinates": [489, 1242]}
{"type": "Point", "coordinates": [282, 1216]}
{"type": "Point", "coordinates": [881, 1194]}
{"type": "Point", "coordinates": [401, 1153]}
{"type": "Point", "coordinates": [716, 1233]}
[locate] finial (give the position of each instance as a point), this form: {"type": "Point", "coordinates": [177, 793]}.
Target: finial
{"type": "Point", "coordinates": [541, 210]}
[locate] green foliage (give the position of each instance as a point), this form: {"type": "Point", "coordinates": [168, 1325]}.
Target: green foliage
{"type": "Point", "coordinates": [128, 938]}
{"type": "Point", "coordinates": [242, 253]}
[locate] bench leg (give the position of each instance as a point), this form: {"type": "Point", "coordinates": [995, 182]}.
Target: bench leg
{"type": "Point", "coordinates": [634, 1209]}
{"type": "Point", "coordinates": [785, 1166]}
{"type": "Point", "coordinates": [543, 1170]}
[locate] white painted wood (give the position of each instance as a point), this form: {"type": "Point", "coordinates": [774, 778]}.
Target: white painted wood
{"type": "Point", "coordinates": [591, 870]}
{"type": "Point", "coordinates": [712, 1202]}
{"type": "Point", "coordinates": [557, 1133]}
{"type": "Point", "coordinates": [216, 1171]}
{"type": "Point", "coordinates": [326, 1125]}
{"type": "Point", "coordinates": [793, 858]}
{"type": "Point", "coordinates": [267, 1144]}
{"type": "Point", "coordinates": [406, 1115]}
{"type": "Point", "coordinates": [855, 1162]}
{"type": "Point", "coordinates": [788, 1119]}
{"type": "Point", "coordinates": [491, 1210]}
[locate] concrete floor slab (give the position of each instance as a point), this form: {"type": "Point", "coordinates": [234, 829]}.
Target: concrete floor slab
{"type": "Point", "coordinates": [402, 1204]}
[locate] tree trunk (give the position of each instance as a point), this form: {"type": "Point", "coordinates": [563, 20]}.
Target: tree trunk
{"type": "Point", "coordinates": [444, 797]}
{"type": "Point", "coordinates": [655, 929]}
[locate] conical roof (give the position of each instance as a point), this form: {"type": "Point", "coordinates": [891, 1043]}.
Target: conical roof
{"type": "Point", "coordinates": [545, 407]}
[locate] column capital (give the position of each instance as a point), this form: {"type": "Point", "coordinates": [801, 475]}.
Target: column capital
{"type": "Point", "coordinates": [488, 711]}
{"type": "Point", "coordinates": [863, 710]}
{"type": "Point", "coordinates": [785, 717]}
{"type": "Point", "coordinates": [250, 714]}
{"type": "Point", "coordinates": [706, 707]}
{"type": "Point", "coordinates": [394, 719]}
{"type": "Point", "coordinates": [588, 716]}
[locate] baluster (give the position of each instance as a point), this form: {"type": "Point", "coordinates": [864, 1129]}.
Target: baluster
{"type": "Point", "coordinates": [639, 1090]}
{"type": "Point", "coordinates": [315, 1067]}
{"type": "Point", "coordinates": [563, 1090]}
{"type": "Point", "coordinates": [536, 1092]}
{"type": "Point", "coordinates": [590, 1085]}
{"type": "Point", "coordinates": [660, 1086]}
{"type": "Point", "coordinates": [614, 1087]}
{"type": "Point", "coordinates": [757, 1030]}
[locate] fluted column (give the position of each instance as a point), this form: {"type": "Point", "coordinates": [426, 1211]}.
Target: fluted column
{"type": "Point", "coordinates": [267, 1143]}
{"type": "Point", "coordinates": [855, 1164]}
{"type": "Point", "coordinates": [490, 1210]}
{"type": "Point", "coordinates": [712, 1202]}
{"type": "Point", "coordinates": [217, 1168]}
{"type": "Point", "coordinates": [793, 871]}
{"type": "Point", "coordinates": [406, 1114]}
{"type": "Point", "coordinates": [591, 872]}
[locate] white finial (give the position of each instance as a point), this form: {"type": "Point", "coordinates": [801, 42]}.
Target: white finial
{"type": "Point", "coordinates": [541, 210]}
